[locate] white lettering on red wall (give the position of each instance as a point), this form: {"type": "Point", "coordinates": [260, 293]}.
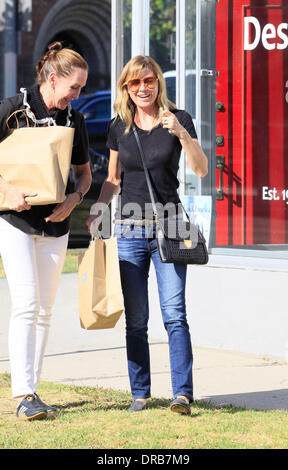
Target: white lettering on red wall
{"type": "Point", "coordinates": [270, 36]}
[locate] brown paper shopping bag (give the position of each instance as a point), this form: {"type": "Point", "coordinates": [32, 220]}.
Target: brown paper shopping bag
{"type": "Point", "coordinates": [37, 159]}
{"type": "Point", "coordinates": [99, 285]}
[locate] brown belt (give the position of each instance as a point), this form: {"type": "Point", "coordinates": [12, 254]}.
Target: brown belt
{"type": "Point", "coordinates": [137, 222]}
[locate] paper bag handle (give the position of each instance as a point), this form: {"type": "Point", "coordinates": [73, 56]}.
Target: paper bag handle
{"type": "Point", "coordinates": [14, 114]}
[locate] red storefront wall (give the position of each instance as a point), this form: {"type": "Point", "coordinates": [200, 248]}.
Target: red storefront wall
{"type": "Point", "coordinates": [252, 122]}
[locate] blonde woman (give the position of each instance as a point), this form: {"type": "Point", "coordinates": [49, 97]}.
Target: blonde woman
{"type": "Point", "coordinates": [163, 131]}
{"type": "Point", "coordinates": [33, 240]}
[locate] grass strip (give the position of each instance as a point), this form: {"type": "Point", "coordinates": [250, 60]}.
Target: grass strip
{"type": "Point", "coordinates": [97, 418]}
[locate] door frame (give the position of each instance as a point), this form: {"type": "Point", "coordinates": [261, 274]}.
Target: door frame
{"type": "Point", "coordinates": [206, 76]}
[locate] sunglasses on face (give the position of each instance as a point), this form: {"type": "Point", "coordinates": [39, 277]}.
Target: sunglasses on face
{"type": "Point", "coordinates": [149, 82]}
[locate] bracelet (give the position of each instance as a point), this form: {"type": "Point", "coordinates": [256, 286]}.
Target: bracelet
{"type": "Point", "coordinates": [80, 195]}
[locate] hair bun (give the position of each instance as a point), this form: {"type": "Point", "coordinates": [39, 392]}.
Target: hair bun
{"type": "Point", "coordinates": [60, 60]}
{"type": "Point", "coordinates": [55, 46]}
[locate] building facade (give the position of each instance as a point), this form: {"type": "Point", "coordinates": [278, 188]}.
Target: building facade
{"type": "Point", "coordinates": [237, 52]}
{"type": "Point", "coordinates": [225, 62]}
{"type": "Point", "coordinates": [85, 26]}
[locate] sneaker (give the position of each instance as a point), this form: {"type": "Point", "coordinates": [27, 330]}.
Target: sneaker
{"type": "Point", "coordinates": [51, 410]}
{"type": "Point", "coordinates": [29, 409]}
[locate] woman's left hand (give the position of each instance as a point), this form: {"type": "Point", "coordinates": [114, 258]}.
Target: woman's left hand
{"type": "Point", "coordinates": [64, 209]}
{"type": "Point", "coordinates": [170, 122]}
{"type": "Point", "coordinates": [196, 158]}
{"type": "Point", "coordinates": [83, 178]}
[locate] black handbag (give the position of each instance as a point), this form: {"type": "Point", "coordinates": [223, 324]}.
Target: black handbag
{"type": "Point", "coordinates": [178, 241]}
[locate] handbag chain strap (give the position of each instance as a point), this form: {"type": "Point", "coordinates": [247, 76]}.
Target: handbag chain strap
{"type": "Point", "coordinates": [148, 177]}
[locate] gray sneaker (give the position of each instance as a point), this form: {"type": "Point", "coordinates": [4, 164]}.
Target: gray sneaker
{"type": "Point", "coordinates": [29, 408]}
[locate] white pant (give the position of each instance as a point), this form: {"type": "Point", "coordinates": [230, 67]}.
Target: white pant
{"type": "Point", "coordinates": [33, 265]}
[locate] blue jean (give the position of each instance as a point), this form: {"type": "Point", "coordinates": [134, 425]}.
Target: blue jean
{"type": "Point", "coordinates": [135, 253]}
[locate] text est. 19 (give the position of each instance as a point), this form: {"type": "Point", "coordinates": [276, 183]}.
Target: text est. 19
{"type": "Point", "coordinates": [273, 194]}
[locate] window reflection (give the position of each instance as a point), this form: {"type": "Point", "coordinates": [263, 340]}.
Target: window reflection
{"type": "Point", "coordinates": [127, 28]}
{"type": "Point", "coordinates": [162, 33]}
{"type": "Point", "coordinates": [191, 181]}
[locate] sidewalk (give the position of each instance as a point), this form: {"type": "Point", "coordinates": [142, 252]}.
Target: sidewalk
{"type": "Point", "coordinates": [98, 358]}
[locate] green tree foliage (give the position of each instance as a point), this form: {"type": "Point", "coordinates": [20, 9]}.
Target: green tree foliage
{"type": "Point", "coordinates": [163, 31]}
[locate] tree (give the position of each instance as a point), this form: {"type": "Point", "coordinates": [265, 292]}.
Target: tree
{"type": "Point", "coordinates": [163, 31]}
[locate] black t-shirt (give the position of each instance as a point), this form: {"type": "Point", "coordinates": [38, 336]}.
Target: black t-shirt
{"type": "Point", "coordinates": [162, 153]}
{"type": "Point", "coordinates": [32, 221]}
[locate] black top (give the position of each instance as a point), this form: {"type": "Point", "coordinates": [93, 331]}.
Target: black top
{"type": "Point", "coordinates": [162, 153]}
{"type": "Point", "coordinates": [32, 221]}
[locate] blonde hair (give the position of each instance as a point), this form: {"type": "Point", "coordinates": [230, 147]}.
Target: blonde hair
{"type": "Point", "coordinates": [124, 106]}
{"type": "Point", "coordinates": [59, 60]}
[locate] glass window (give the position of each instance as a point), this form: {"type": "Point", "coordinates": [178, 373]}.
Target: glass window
{"type": "Point", "coordinates": [191, 180]}
{"type": "Point", "coordinates": [163, 50]}
{"type": "Point", "coordinates": [127, 27]}
{"type": "Point", "coordinates": [190, 57]}
{"type": "Point", "coordinates": [163, 40]}
{"type": "Point", "coordinates": [170, 78]}
{"type": "Point", "coordinates": [99, 109]}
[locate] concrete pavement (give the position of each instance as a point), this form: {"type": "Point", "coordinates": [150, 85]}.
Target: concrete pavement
{"type": "Point", "coordinates": [98, 358]}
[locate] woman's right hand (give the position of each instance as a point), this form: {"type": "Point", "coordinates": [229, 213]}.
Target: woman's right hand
{"type": "Point", "coordinates": [110, 187]}
{"type": "Point", "coordinates": [93, 223]}
{"type": "Point", "coordinates": [90, 220]}
{"type": "Point", "coordinates": [96, 215]}
{"type": "Point", "coordinates": [16, 198]}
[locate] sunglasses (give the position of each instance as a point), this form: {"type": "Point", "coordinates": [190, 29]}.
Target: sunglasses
{"type": "Point", "coordinates": [135, 83]}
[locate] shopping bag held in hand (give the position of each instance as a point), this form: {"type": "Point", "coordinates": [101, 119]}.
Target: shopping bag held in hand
{"type": "Point", "coordinates": [99, 285]}
{"type": "Point", "coordinates": [37, 159]}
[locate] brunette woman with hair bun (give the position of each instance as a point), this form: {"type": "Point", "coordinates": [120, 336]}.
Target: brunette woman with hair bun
{"type": "Point", "coordinates": [33, 239]}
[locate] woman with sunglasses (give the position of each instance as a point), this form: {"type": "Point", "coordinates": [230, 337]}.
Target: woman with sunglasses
{"type": "Point", "coordinates": [164, 131]}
